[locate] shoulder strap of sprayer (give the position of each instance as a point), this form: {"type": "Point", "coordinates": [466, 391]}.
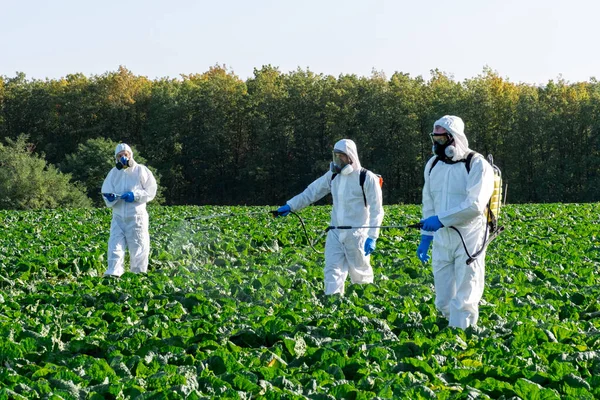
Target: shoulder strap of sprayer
{"type": "Point", "coordinates": [466, 160]}
{"type": "Point", "coordinates": [361, 181]}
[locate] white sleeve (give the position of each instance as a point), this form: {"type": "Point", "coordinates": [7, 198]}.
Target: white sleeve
{"type": "Point", "coordinates": [427, 208]}
{"type": "Point", "coordinates": [148, 184]}
{"type": "Point", "coordinates": [315, 191]}
{"type": "Point", "coordinates": [108, 187]}
{"type": "Point", "coordinates": [480, 187]}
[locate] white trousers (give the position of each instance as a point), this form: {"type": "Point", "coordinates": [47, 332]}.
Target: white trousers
{"type": "Point", "coordinates": [458, 286]}
{"type": "Point", "coordinates": [344, 254]}
{"type": "Point", "coordinates": [128, 233]}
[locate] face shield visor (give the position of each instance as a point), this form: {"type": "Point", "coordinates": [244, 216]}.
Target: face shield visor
{"type": "Point", "coordinates": [340, 161]}
{"type": "Point", "coordinates": [441, 139]}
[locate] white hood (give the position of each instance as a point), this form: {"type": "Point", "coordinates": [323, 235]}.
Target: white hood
{"type": "Point", "coordinates": [348, 147]}
{"type": "Point", "coordinates": [123, 146]}
{"type": "Point", "coordinates": [456, 127]}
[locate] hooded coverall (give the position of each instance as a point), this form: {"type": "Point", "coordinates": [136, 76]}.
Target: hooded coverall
{"type": "Point", "coordinates": [344, 248]}
{"type": "Point", "coordinates": [129, 225]}
{"type": "Point", "coordinates": [459, 199]}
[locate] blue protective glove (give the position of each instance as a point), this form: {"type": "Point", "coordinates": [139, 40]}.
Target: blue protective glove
{"type": "Point", "coordinates": [423, 249]}
{"type": "Point", "coordinates": [432, 224]}
{"type": "Point", "coordinates": [109, 196]}
{"type": "Point", "coordinates": [283, 211]}
{"type": "Point", "coordinates": [128, 197]}
{"type": "Point", "coordinates": [369, 246]}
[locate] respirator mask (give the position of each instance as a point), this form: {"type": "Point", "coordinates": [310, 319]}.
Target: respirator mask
{"type": "Point", "coordinates": [123, 162]}
{"type": "Point", "coordinates": [443, 145]}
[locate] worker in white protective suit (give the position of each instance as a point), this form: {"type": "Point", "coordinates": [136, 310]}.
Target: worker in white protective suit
{"type": "Point", "coordinates": [347, 251]}
{"type": "Point", "coordinates": [454, 196]}
{"type": "Point", "coordinates": [126, 189]}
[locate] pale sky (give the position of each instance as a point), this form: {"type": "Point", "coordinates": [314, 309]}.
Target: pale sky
{"type": "Point", "coordinates": [530, 41]}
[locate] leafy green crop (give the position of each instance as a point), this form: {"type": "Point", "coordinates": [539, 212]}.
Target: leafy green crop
{"type": "Point", "coordinates": [233, 307]}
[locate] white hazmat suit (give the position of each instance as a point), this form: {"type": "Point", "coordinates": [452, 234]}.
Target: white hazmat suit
{"type": "Point", "coordinates": [459, 199]}
{"type": "Point", "coordinates": [129, 226]}
{"type": "Point", "coordinates": [344, 247]}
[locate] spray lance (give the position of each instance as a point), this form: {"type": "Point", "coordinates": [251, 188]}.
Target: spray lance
{"type": "Point", "coordinates": [276, 213]}
{"type": "Point", "coordinates": [418, 225]}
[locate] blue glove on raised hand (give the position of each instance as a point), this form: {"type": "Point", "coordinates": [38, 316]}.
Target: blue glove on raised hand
{"type": "Point", "coordinates": [432, 224]}
{"type": "Point", "coordinates": [128, 197]}
{"type": "Point", "coordinates": [423, 249]}
{"type": "Point", "coordinates": [283, 211]}
{"type": "Point", "coordinates": [369, 246]}
{"type": "Point", "coordinates": [109, 196]}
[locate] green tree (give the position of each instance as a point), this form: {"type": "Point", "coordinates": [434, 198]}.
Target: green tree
{"type": "Point", "coordinates": [2, 95]}
{"type": "Point", "coordinates": [403, 146]}
{"type": "Point", "coordinates": [28, 182]}
{"type": "Point", "coordinates": [162, 137]}
{"type": "Point", "coordinates": [270, 135]}
{"type": "Point", "coordinates": [219, 140]}
{"type": "Point", "coordinates": [125, 99]}
{"type": "Point", "coordinates": [214, 137]}
{"type": "Point", "coordinates": [309, 145]}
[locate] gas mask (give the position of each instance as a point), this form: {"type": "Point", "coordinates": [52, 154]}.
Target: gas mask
{"type": "Point", "coordinates": [123, 162]}
{"type": "Point", "coordinates": [339, 165]}
{"type": "Point", "coordinates": [443, 146]}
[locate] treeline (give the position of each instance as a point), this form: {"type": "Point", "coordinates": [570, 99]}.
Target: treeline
{"type": "Point", "coordinates": [216, 139]}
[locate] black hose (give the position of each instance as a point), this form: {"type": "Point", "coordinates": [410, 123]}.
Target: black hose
{"type": "Point", "coordinates": [311, 244]}
{"type": "Point", "coordinates": [486, 242]}
{"type": "Point", "coordinates": [276, 213]}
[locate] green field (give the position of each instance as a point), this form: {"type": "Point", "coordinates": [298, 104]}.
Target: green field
{"type": "Point", "coordinates": [233, 307]}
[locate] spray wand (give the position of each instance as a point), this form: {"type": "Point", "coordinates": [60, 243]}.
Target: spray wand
{"type": "Point", "coordinates": [276, 213]}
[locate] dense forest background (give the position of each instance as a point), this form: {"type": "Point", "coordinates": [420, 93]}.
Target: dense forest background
{"type": "Point", "coordinates": [213, 138]}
